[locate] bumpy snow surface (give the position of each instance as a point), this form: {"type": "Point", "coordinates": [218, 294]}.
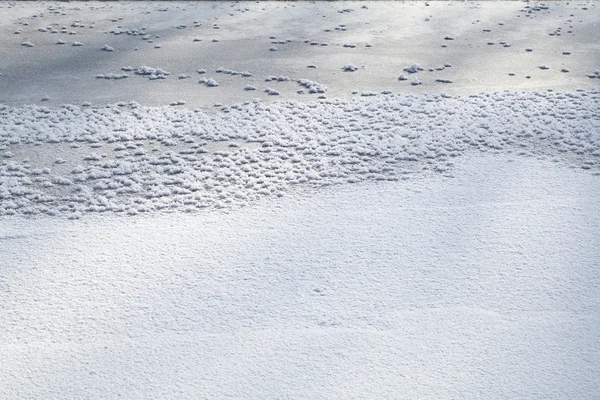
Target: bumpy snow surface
{"type": "Point", "coordinates": [134, 159]}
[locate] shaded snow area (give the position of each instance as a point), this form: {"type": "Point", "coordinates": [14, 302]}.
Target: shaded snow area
{"type": "Point", "coordinates": [132, 159]}
{"type": "Point", "coordinates": [484, 285]}
{"type": "Point", "coordinates": [71, 52]}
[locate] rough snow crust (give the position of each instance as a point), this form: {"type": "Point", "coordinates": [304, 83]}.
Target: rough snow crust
{"type": "Point", "coordinates": [127, 158]}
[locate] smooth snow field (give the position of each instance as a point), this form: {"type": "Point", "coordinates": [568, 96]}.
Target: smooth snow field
{"type": "Point", "coordinates": [299, 200]}
{"type": "Point", "coordinates": [480, 286]}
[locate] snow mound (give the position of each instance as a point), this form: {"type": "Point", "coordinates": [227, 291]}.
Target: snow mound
{"type": "Point", "coordinates": [413, 69]}
{"type": "Point", "coordinates": [232, 72]}
{"type": "Point", "coordinates": [151, 73]}
{"type": "Point", "coordinates": [280, 78]}
{"type": "Point", "coordinates": [112, 76]}
{"type": "Point", "coordinates": [312, 86]}
{"type": "Point", "coordinates": [209, 82]}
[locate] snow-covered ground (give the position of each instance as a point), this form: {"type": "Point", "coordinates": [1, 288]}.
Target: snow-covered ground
{"type": "Point", "coordinates": [132, 159]}
{"type": "Point", "coordinates": [389, 200]}
{"type": "Point", "coordinates": [484, 285]}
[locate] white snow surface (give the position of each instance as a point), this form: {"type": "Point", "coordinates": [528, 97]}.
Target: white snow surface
{"type": "Point", "coordinates": [484, 285]}
{"type": "Point", "coordinates": [425, 238]}
{"type": "Point", "coordinates": [148, 159]}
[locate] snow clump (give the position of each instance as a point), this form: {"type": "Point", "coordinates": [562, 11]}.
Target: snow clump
{"type": "Point", "coordinates": [152, 73]}
{"type": "Point", "coordinates": [312, 86]}
{"type": "Point", "coordinates": [112, 76]}
{"type": "Point", "coordinates": [413, 69]}
{"type": "Point", "coordinates": [209, 82]}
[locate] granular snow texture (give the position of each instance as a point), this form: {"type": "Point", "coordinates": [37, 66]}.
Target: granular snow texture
{"type": "Point", "coordinates": [483, 285]}
{"type": "Point", "coordinates": [127, 158]}
{"type": "Point", "coordinates": [385, 207]}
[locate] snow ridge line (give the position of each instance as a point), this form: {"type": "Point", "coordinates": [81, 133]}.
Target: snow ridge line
{"type": "Point", "coordinates": [128, 158]}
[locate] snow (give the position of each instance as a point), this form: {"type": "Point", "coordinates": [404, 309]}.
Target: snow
{"type": "Point", "coordinates": [404, 37]}
{"type": "Point", "coordinates": [112, 76]}
{"type": "Point", "coordinates": [209, 82]}
{"type": "Point", "coordinates": [150, 71]}
{"type": "Point", "coordinates": [278, 145]}
{"type": "Point", "coordinates": [413, 69]}
{"type": "Point", "coordinates": [333, 235]}
{"type": "Point", "coordinates": [313, 87]}
{"type": "Point", "coordinates": [437, 288]}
